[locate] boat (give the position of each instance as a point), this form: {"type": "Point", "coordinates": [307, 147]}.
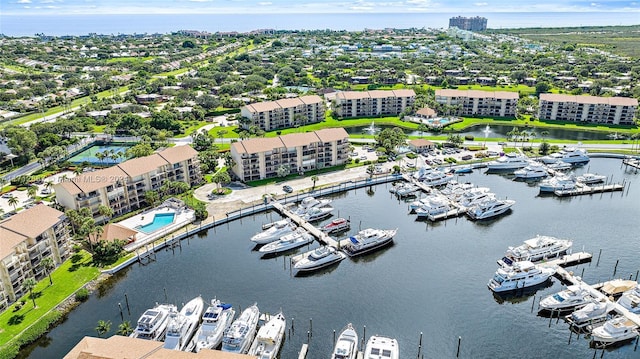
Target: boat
{"type": "Point", "coordinates": [182, 325]}
{"type": "Point", "coordinates": [347, 344]}
{"type": "Point", "coordinates": [368, 240]}
{"type": "Point", "coordinates": [269, 338]}
{"type": "Point", "coordinates": [310, 202]}
{"type": "Point", "coordinates": [575, 296]}
{"type": "Point", "coordinates": [559, 166]}
{"type": "Point", "coordinates": [616, 287]}
{"type": "Point", "coordinates": [509, 161]}
{"type": "Point", "coordinates": [593, 312]}
{"type": "Point", "coordinates": [414, 205]}
{"type": "Point", "coordinates": [395, 187]}
{"type": "Point", "coordinates": [434, 207]}
{"type": "Point", "coordinates": [558, 183]}
{"type": "Point", "coordinates": [454, 189]}
{"type": "Point", "coordinates": [463, 169]}
{"type": "Point", "coordinates": [277, 230]}
{"type": "Point", "coordinates": [318, 258]}
{"type": "Point", "coordinates": [519, 275]}
{"type": "Point", "coordinates": [531, 171]}
{"type": "Point", "coordinates": [298, 238]}
{"type": "Point", "coordinates": [238, 337]}
{"type": "Point", "coordinates": [152, 324]}
{"type": "Point", "coordinates": [215, 320]}
{"type": "Point", "coordinates": [337, 225]}
{"type": "Point", "coordinates": [591, 178]}
{"type": "Point", "coordinates": [539, 248]}
{"type": "Point", "coordinates": [317, 213]}
{"type": "Point", "coordinates": [490, 208]}
{"type": "Point", "coordinates": [379, 347]}
{"type": "Point", "coordinates": [569, 155]}
{"type": "Point", "coordinates": [474, 196]}
{"type": "Point", "coordinates": [630, 300]}
{"type": "Point", "coordinates": [407, 190]}
{"type": "Point", "coordinates": [615, 330]}
{"type": "Point", "coordinates": [436, 178]}
{"type": "Point", "coordinates": [422, 172]}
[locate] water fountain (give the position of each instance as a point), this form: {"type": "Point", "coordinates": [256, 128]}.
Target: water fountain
{"type": "Point", "coordinates": [372, 129]}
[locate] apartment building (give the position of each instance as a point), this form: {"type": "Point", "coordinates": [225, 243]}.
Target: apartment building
{"type": "Point", "coordinates": [593, 109]}
{"type": "Point", "coordinates": [475, 23]}
{"type": "Point", "coordinates": [25, 240]}
{"type": "Point", "coordinates": [373, 103]}
{"type": "Point", "coordinates": [259, 158]}
{"type": "Point", "coordinates": [285, 113]}
{"type": "Point", "coordinates": [123, 186]}
{"type": "Point", "coordinates": [479, 103]}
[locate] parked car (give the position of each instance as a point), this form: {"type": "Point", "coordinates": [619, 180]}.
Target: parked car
{"type": "Point", "coordinates": [6, 195]}
{"type": "Point", "coordinates": [287, 188]}
{"type": "Point", "coordinates": [45, 191]}
{"type": "Point", "coordinates": [467, 157]}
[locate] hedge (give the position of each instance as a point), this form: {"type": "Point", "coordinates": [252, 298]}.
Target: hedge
{"type": "Point", "coordinates": [31, 334]}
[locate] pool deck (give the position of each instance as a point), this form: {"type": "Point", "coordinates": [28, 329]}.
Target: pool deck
{"type": "Point", "coordinates": [182, 218]}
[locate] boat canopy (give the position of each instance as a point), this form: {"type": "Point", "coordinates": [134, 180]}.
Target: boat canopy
{"type": "Point", "coordinates": [353, 240]}
{"type": "Point", "coordinates": [224, 306]}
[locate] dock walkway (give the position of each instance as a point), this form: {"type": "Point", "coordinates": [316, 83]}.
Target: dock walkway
{"type": "Point", "coordinates": [315, 231]}
{"type": "Point", "coordinates": [584, 189]}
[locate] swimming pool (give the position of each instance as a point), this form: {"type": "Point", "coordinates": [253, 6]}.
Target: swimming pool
{"type": "Point", "coordinates": [160, 220]}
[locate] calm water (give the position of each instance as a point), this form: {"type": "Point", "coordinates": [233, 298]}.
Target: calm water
{"type": "Point", "coordinates": [498, 131]}
{"type": "Point", "coordinates": [433, 280]}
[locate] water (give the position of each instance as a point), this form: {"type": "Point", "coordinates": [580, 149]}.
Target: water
{"type": "Point", "coordinates": [90, 155]}
{"type": "Point", "coordinates": [160, 220]}
{"type": "Point", "coordinates": [500, 131]}
{"type": "Point", "coordinates": [433, 280]}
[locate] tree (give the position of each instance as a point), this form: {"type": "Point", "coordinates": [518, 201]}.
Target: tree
{"type": "Point", "coordinates": [221, 134]}
{"type": "Point", "coordinates": [314, 178]}
{"type": "Point", "coordinates": [283, 171]}
{"type": "Point", "coordinates": [103, 327]}
{"type": "Point", "coordinates": [220, 178]}
{"type": "Point", "coordinates": [32, 191]}
{"type": "Point", "coordinates": [21, 140]}
{"type": "Point", "coordinates": [422, 128]}
{"type": "Point", "coordinates": [125, 328]}
{"type": "Point", "coordinates": [28, 286]}
{"type": "Point", "coordinates": [13, 201]}
{"type": "Point", "coordinates": [390, 138]}
{"type": "Point", "coordinates": [152, 198]}
{"type": "Point", "coordinates": [544, 148]}
{"type": "Point", "coordinates": [202, 141]}
{"type": "Point", "coordinates": [139, 150]}
{"type": "Point", "coordinates": [455, 139]}
{"type": "Point", "coordinates": [542, 87]}
{"type": "Point", "coordinates": [47, 264]}
{"type": "Point", "coordinates": [105, 211]}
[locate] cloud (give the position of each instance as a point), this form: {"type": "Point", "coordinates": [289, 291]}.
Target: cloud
{"type": "Point", "coordinates": [265, 3]}
{"type": "Point", "coordinates": [481, 4]}
{"type": "Point", "coordinates": [200, 0]}
{"type": "Point", "coordinates": [24, 1]}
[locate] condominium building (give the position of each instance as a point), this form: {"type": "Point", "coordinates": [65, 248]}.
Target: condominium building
{"type": "Point", "coordinates": [25, 240]}
{"type": "Point", "coordinates": [373, 103]}
{"type": "Point", "coordinates": [285, 113]}
{"type": "Point", "coordinates": [475, 23]}
{"type": "Point", "coordinates": [479, 103]}
{"type": "Point", "coordinates": [593, 109]}
{"type": "Point", "coordinates": [123, 186]}
{"type": "Point", "coordinates": [259, 158]}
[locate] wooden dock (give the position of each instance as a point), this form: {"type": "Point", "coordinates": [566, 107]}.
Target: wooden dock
{"type": "Point", "coordinates": [635, 163]}
{"type": "Point", "coordinates": [590, 190]}
{"type": "Point", "coordinates": [315, 231]}
{"type": "Point", "coordinates": [303, 351]}
{"type": "Point", "coordinates": [568, 259]}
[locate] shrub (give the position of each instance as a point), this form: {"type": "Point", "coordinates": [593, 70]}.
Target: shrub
{"type": "Point", "coordinates": [357, 160]}
{"type": "Point", "coordinates": [411, 155]}
{"type": "Point", "coordinates": [468, 138]}
{"type": "Point", "coordinates": [382, 159]}
{"type": "Point", "coordinates": [82, 294]}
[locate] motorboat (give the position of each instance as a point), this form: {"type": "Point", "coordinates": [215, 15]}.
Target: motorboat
{"type": "Point", "coordinates": [474, 196]}
{"type": "Point", "coordinates": [616, 287]}
{"type": "Point", "coordinates": [532, 171]}
{"type": "Point", "coordinates": [559, 166]}
{"type": "Point", "coordinates": [436, 178]}
{"type": "Point", "coordinates": [399, 186]}
{"type": "Point", "coordinates": [454, 189]}
{"type": "Point", "coordinates": [152, 325]}
{"type": "Point", "coordinates": [615, 330]}
{"type": "Point", "coordinates": [510, 161]}
{"type": "Point", "coordinates": [591, 178]}
{"type": "Point", "coordinates": [296, 239]}
{"type": "Point", "coordinates": [347, 344]}
{"type": "Point", "coordinates": [269, 338]}
{"type": "Point", "coordinates": [337, 225]}
{"type": "Point", "coordinates": [407, 190]}
{"type": "Point", "coordinates": [434, 207]}
{"type": "Point", "coordinates": [558, 183]}
{"type": "Point", "coordinates": [575, 296]}
{"type": "Point", "coordinates": [182, 325]}
{"type": "Point", "coordinates": [368, 240]}
{"type": "Point", "coordinates": [490, 208]}
{"type": "Point", "coordinates": [318, 258]}
{"type": "Point", "coordinates": [539, 248]}
{"type": "Point", "coordinates": [277, 230]}
{"type": "Point", "coordinates": [379, 347]}
{"type": "Point", "coordinates": [423, 201]}
{"type": "Point", "coordinates": [593, 312]}
{"type": "Point", "coordinates": [422, 172]}
{"type": "Point", "coordinates": [464, 169]}
{"type": "Point", "coordinates": [631, 300]}
{"type": "Point", "coordinates": [310, 202]}
{"type": "Point", "coordinates": [317, 213]}
{"type": "Point", "coordinates": [215, 320]}
{"type": "Point", "coordinates": [519, 275]}
{"type": "Point", "coordinates": [239, 336]}
{"type": "Point", "coordinates": [569, 155]}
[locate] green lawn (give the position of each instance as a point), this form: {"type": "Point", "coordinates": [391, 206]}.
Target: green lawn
{"type": "Point", "coordinates": [129, 59]}
{"type": "Point", "coordinates": [67, 278]}
{"type": "Point", "coordinates": [193, 126]}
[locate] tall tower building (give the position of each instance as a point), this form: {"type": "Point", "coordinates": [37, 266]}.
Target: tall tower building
{"type": "Point", "coordinates": [476, 23]}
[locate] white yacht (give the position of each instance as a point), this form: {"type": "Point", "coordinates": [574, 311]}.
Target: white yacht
{"type": "Point", "coordinates": [558, 183]}
{"type": "Point", "coordinates": [593, 312]}
{"type": "Point", "coordinates": [296, 239]}
{"type": "Point", "coordinates": [436, 178]}
{"type": "Point", "coordinates": [615, 330]}
{"type": "Point", "coordinates": [532, 171]}
{"type": "Point", "coordinates": [310, 202]}
{"type": "Point", "coordinates": [453, 190]}
{"type": "Point", "coordinates": [591, 178]}
{"type": "Point", "coordinates": [238, 337]}
{"type": "Point", "coordinates": [152, 324]}
{"type": "Point", "coordinates": [277, 230]}
{"type": "Point", "coordinates": [569, 155]}
{"type": "Point", "coordinates": [539, 248]}
{"type": "Point", "coordinates": [575, 296]}
{"type": "Point", "coordinates": [423, 201]}
{"type": "Point", "coordinates": [474, 196]}
{"type": "Point", "coordinates": [434, 207]}
{"type": "Point", "coordinates": [347, 344]}
{"type": "Point", "coordinates": [559, 166]}
{"type": "Point", "coordinates": [490, 208]}
{"type": "Point", "coordinates": [337, 225]}
{"type": "Point", "coordinates": [183, 324]}
{"type": "Point", "coordinates": [407, 190]}
{"type": "Point", "coordinates": [519, 275]}
{"type": "Point", "coordinates": [631, 300]}
{"type": "Point", "coordinates": [269, 338]}
{"type": "Point", "coordinates": [215, 320]}
{"type": "Point", "coordinates": [318, 258]}
{"type": "Point", "coordinates": [379, 347]}
{"type": "Point", "coordinates": [368, 240]}
{"type": "Point", "coordinates": [510, 161]}
{"type": "Point", "coordinates": [317, 213]}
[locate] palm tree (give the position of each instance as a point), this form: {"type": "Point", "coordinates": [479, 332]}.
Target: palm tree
{"type": "Point", "coordinates": [314, 178]}
{"type": "Point", "coordinates": [28, 285]}
{"type": "Point", "coordinates": [105, 211]}
{"type": "Point", "coordinates": [544, 134]}
{"type": "Point", "coordinates": [103, 327]}
{"type": "Point", "coordinates": [32, 191]}
{"type": "Point", "coordinates": [47, 264]}
{"type": "Point", "coordinates": [13, 201]}
{"type": "Point", "coordinates": [125, 328]}
{"type": "Point", "coordinates": [78, 170]}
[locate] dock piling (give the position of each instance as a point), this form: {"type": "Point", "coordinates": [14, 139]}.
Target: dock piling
{"type": "Point", "coordinates": [121, 315]}
{"type": "Point", "coordinates": [636, 346]}
{"type": "Point", "coordinates": [637, 272]}
{"type": "Point", "coordinates": [615, 269]}
{"type": "Point", "coordinates": [311, 326]}
{"type": "Point", "coordinates": [364, 335]}
{"type": "Point", "coordinates": [458, 351]}
{"type": "Point", "coordinates": [165, 295]}
{"type": "Point", "coordinates": [598, 261]}
{"type": "Point", "coordinates": [126, 300]}
{"type": "Point", "coordinates": [533, 302]}
{"type": "Point", "coordinates": [334, 336]}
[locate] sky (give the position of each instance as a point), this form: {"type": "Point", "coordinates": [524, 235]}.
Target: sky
{"type": "Point", "coordinates": [100, 7]}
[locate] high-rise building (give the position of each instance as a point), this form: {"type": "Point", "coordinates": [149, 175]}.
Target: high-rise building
{"type": "Point", "coordinates": [475, 23]}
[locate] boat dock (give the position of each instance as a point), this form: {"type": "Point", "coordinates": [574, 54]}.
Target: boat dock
{"type": "Point", "coordinates": [315, 231]}
{"type": "Point", "coordinates": [584, 189]}
{"type": "Point", "coordinates": [633, 162]}
{"type": "Point", "coordinates": [568, 260]}
{"type": "Point", "coordinates": [455, 212]}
